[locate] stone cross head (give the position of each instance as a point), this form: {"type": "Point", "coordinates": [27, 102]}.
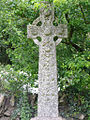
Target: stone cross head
{"type": "Point", "coordinates": [46, 28]}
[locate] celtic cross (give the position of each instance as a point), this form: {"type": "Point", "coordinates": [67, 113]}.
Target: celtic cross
{"type": "Point", "coordinates": [47, 73]}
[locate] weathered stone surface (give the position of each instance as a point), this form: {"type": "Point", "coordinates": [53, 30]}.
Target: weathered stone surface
{"type": "Point", "coordinates": [48, 118]}
{"type": "Point", "coordinates": [88, 34]}
{"type": "Point", "coordinates": [70, 118]}
{"type": "Point", "coordinates": [17, 119]}
{"type": "Point", "coordinates": [7, 113]}
{"type": "Point", "coordinates": [5, 118]}
{"type": "Point", "coordinates": [47, 74]}
{"type": "Point", "coordinates": [12, 101]}
{"type": "Point", "coordinates": [79, 116]}
{"type": "Point", "coordinates": [1, 99]}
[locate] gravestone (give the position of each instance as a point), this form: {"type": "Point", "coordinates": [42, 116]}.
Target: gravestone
{"type": "Point", "coordinates": [47, 74]}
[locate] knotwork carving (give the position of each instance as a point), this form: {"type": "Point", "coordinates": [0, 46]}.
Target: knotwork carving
{"type": "Point", "coordinates": [47, 28]}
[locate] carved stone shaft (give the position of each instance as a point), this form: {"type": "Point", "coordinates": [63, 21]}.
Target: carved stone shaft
{"type": "Point", "coordinates": [47, 73]}
{"type": "Point", "coordinates": [48, 93]}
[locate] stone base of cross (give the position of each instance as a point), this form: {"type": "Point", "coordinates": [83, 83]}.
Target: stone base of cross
{"type": "Point", "coordinates": [47, 73]}
{"type": "Point", "coordinates": [48, 118]}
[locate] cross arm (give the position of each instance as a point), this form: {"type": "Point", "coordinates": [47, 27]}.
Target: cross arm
{"type": "Point", "coordinates": [58, 41]}
{"type": "Point", "coordinates": [35, 22]}
{"type": "Point", "coordinates": [61, 32]}
{"type": "Point", "coordinates": [33, 33]}
{"type": "Point", "coordinates": [36, 42]}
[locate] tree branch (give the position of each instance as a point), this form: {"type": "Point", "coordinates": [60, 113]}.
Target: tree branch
{"type": "Point", "coordinates": [67, 18]}
{"type": "Point", "coordinates": [70, 35]}
{"type": "Point", "coordinates": [86, 22]}
{"type": "Point", "coordinates": [73, 45]}
{"type": "Point", "coordinates": [82, 13]}
{"type": "Point", "coordinates": [71, 27]}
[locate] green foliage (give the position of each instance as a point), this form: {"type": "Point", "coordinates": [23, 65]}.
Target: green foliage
{"type": "Point", "coordinates": [13, 81]}
{"type": "Point", "coordinates": [23, 108]}
{"type": "Point", "coordinates": [73, 54]}
{"type": "Point", "coordinates": [15, 16]}
{"type": "Point", "coordinates": [16, 83]}
{"type": "Point", "coordinates": [76, 71]}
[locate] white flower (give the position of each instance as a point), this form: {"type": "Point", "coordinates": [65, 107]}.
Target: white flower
{"type": "Point", "coordinates": [0, 75]}
{"type": "Point", "coordinates": [1, 78]}
{"type": "Point", "coordinates": [2, 71]}
{"type": "Point", "coordinates": [36, 82]}
{"type": "Point", "coordinates": [25, 74]}
{"type": "Point", "coordinates": [15, 79]}
{"type": "Point", "coordinates": [11, 69]}
{"type": "Point", "coordinates": [6, 73]}
{"type": "Point", "coordinates": [21, 72]}
{"type": "Point", "coordinates": [33, 90]}
{"type": "Point", "coordinates": [6, 81]}
{"type": "Point", "coordinates": [30, 74]}
{"type": "Point", "coordinates": [58, 89]}
{"type": "Point", "coordinates": [24, 87]}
